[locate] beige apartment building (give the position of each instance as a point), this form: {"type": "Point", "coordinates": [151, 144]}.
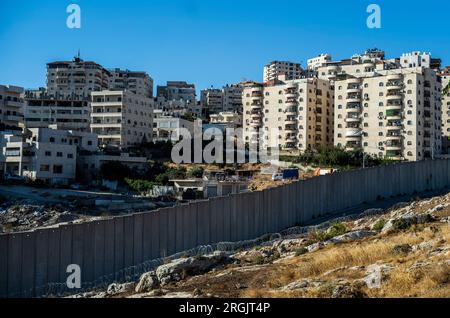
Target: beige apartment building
{"type": "Point", "coordinates": [389, 113]}
{"type": "Point", "coordinates": [76, 79]}
{"type": "Point", "coordinates": [42, 110]}
{"type": "Point", "coordinates": [275, 69]}
{"type": "Point", "coordinates": [139, 83]}
{"type": "Point", "coordinates": [11, 106]}
{"type": "Point", "coordinates": [445, 78]}
{"type": "Point", "coordinates": [301, 110]}
{"type": "Point", "coordinates": [121, 118]}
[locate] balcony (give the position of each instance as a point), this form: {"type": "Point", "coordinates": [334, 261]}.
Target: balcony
{"type": "Point", "coordinates": [394, 85]}
{"type": "Point", "coordinates": [394, 115]}
{"type": "Point", "coordinates": [352, 118]}
{"type": "Point", "coordinates": [353, 81]}
{"type": "Point", "coordinates": [394, 95]}
{"type": "Point", "coordinates": [291, 102]}
{"type": "Point", "coordinates": [394, 77]}
{"type": "Point", "coordinates": [15, 104]}
{"type": "Point", "coordinates": [355, 98]}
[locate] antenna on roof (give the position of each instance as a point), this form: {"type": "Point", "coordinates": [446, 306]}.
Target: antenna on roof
{"type": "Point", "coordinates": [78, 58]}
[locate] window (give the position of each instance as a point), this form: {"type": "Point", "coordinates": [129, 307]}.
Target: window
{"type": "Point", "coordinates": [58, 169]}
{"type": "Point", "coordinates": [48, 153]}
{"type": "Point", "coordinates": [44, 168]}
{"type": "Point", "coordinates": [70, 156]}
{"type": "Point", "coordinates": [52, 139]}
{"type": "Point", "coordinates": [59, 154]}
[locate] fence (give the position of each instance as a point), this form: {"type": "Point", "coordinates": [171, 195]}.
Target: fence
{"type": "Point", "coordinates": [104, 249]}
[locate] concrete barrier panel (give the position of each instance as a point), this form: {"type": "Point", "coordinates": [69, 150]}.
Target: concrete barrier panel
{"type": "Point", "coordinates": [138, 220]}
{"type": "Point", "coordinates": [155, 234]}
{"type": "Point", "coordinates": [119, 254]}
{"type": "Point", "coordinates": [128, 238]}
{"type": "Point", "coordinates": [172, 231]}
{"type": "Point", "coordinates": [41, 261]}
{"type": "Point", "coordinates": [66, 251]}
{"type": "Point", "coordinates": [109, 246]}
{"type": "Point", "coordinates": [15, 265]}
{"type": "Point", "coordinates": [179, 211]}
{"type": "Point", "coordinates": [28, 261]}
{"type": "Point", "coordinates": [54, 240]}
{"type": "Point", "coordinates": [99, 249]}
{"type": "Point", "coordinates": [214, 210]}
{"type": "Point", "coordinates": [187, 229]}
{"type": "Point", "coordinates": [147, 237]}
{"type": "Point", "coordinates": [163, 229]}
{"type": "Point", "coordinates": [203, 222]}
{"type": "Point", "coordinates": [226, 219]}
{"type": "Point", "coordinates": [88, 269]}
{"type": "Point", "coordinates": [3, 265]}
{"type": "Point", "coordinates": [235, 224]}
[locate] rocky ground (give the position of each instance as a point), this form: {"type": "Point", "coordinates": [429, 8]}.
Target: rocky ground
{"type": "Point", "coordinates": [403, 251]}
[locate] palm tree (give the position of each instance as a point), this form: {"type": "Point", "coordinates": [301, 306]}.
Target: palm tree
{"type": "Point", "coordinates": [446, 89]}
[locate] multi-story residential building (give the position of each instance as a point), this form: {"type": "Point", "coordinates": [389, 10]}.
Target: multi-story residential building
{"type": "Point", "coordinates": [178, 90]}
{"type": "Point", "coordinates": [76, 79]}
{"type": "Point", "coordinates": [121, 118]}
{"type": "Point", "coordinates": [419, 59]}
{"type": "Point", "coordinates": [211, 100]}
{"type": "Point", "coordinates": [11, 106]}
{"type": "Point", "coordinates": [445, 78]}
{"type": "Point", "coordinates": [165, 126]}
{"type": "Point", "coordinates": [44, 154]}
{"type": "Point", "coordinates": [300, 111]}
{"type": "Point", "coordinates": [390, 113]}
{"type": "Point", "coordinates": [232, 98]}
{"type": "Point", "coordinates": [274, 69]}
{"type": "Point", "coordinates": [139, 83]}
{"type": "Point", "coordinates": [42, 110]}
{"type": "Point", "coordinates": [319, 61]}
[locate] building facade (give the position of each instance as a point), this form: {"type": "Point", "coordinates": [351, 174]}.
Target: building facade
{"type": "Point", "coordinates": [392, 114]}
{"type": "Point", "coordinates": [299, 111]}
{"type": "Point", "coordinates": [274, 69]}
{"type": "Point", "coordinates": [11, 106]}
{"type": "Point", "coordinates": [76, 79]}
{"type": "Point", "coordinates": [139, 83]}
{"type": "Point", "coordinates": [121, 118]}
{"type": "Point", "coordinates": [42, 110]}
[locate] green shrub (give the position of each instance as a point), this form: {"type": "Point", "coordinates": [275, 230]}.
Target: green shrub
{"type": "Point", "coordinates": [301, 251]}
{"type": "Point", "coordinates": [378, 226]}
{"type": "Point", "coordinates": [139, 185]}
{"type": "Point", "coordinates": [336, 229]}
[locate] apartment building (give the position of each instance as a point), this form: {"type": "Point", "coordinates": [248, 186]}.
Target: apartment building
{"type": "Point", "coordinates": [45, 154]}
{"type": "Point", "coordinates": [392, 114]}
{"type": "Point", "coordinates": [121, 118]}
{"type": "Point", "coordinates": [76, 79]}
{"type": "Point", "coordinates": [42, 110]}
{"type": "Point", "coordinates": [318, 61]}
{"type": "Point", "coordinates": [419, 59]}
{"type": "Point", "coordinates": [300, 110]}
{"type": "Point", "coordinates": [445, 101]}
{"type": "Point", "coordinates": [211, 100]}
{"type": "Point", "coordinates": [166, 126]}
{"type": "Point", "coordinates": [11, 106]}
{"type": "Point", "coordinates": [232, 98]}
{"type": "Point", "coordinates": [178, 90]}
{"type": "Point", "coordinates": [274, 69]}
{"type": "Point", "coordinates": [139, 83]}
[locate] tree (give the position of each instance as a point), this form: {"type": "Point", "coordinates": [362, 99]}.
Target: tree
{"type": "Point", "coordinates": [114, 171]}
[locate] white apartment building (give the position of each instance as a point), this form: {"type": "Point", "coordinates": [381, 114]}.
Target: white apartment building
{"type": "Point", "coordinates": [301, 110]}
{"type": "Point", "coordinates": [121, 118]}
{"type": "Point", "coordinates": [139, 83]}
{"type": "Point", "coordinates": [445, 78]}
{"type": "Point", "coordinates": [419, 59]}
{"type": "Point", "coordinates": [45, 154]}
{"type": "Point", "coordinates": [11, 106]}
{"type": "Point", "coordinates": [318, 61]}
{"type": "Point", "coordinates": [42, 110]}
{"type": "Point", "coordinates": [165, 126]}
{"type": "Point", "coordinates": [275, 69]}
{"type": "Point", "coordinates": [390, 113]}
{"type": "Point", "coordinates": [76, 79]}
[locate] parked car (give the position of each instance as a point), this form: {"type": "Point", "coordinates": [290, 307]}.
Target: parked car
{"type": "Point", "coordinates": [11, 177]}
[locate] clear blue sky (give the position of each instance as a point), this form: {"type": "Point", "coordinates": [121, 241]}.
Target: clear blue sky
{"type": "Point", "coordinates": [209, 42]}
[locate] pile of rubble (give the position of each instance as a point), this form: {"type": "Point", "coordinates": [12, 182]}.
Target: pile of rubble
{"type": "Point", "coordinates": [24, 217]}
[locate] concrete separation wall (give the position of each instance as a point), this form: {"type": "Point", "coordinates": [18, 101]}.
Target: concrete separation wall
{"type": "Point", "coordinates": [115, 249]}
